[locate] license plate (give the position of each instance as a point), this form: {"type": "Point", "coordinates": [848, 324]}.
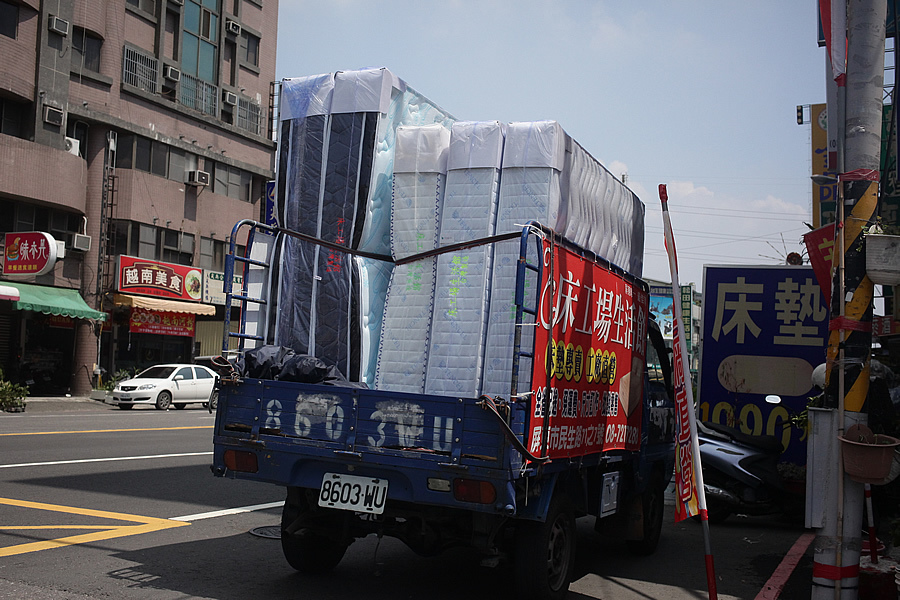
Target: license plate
{"type": "Point", "coordinates": [351, 492]}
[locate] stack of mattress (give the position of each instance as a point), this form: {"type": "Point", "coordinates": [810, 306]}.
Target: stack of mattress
{"type": "Point", "coordinates": [456, 348]}
{"type": "Point", "coordinates": [335, 169]}
{"type": "Point", "coordinates": [420, 167]}
{"type": "Point", "coordinates": [530, 190]}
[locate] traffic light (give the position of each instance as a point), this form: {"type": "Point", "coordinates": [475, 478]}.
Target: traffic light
{"type": "Point", "coordinates": [799, 114]}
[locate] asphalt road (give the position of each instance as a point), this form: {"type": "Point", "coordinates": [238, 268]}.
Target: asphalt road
{"type": "Point", "coordinates": [101, 503]}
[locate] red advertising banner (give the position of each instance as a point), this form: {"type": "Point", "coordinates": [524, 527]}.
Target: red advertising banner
{"type": "Point", "coordinates": [164, 280]}
{"type": "Point", "coordinates": [28, 253]}
{"type": "Point", "coordinates": [820, 248]}
{"type": "Point", "coordinates": [163, 323]}
{"type": "Point", "coordinates": [590, 344]}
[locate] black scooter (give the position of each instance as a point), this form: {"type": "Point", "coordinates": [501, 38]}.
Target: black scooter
{"type": "Point", "coordinates": [740, 471]}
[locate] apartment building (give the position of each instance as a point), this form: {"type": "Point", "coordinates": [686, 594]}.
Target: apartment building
{"type": "Point", "coordinates": [134, 134]}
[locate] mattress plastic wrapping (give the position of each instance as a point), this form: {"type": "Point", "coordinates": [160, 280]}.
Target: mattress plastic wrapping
{"type": "Point", "coordinates": [456, 347]}
{"type": "Point", "coordinates": [344, 157]}
{"type": "Point", "coordinates": [334, 180]}
{"type": "Point", "coordinates": [420, 167]}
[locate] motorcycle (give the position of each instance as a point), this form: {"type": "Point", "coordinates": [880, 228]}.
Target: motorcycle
{"type": "Point", "coordinates": [740, 471]}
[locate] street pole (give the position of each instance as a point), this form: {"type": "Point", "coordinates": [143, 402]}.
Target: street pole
{"type": "Point", "coordinates": [838, 542]}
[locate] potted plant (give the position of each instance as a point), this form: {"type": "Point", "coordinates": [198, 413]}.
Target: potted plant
{"type": "Point", "coordinates": [12, 395]}
{"type": "Point", "coordinates": [104, 392]}
{"type": "Point", "coordinates": [882, 253]}
{"type": "Point", "coordinates": [867, 456]}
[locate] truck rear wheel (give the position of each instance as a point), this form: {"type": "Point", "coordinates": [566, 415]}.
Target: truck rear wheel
{"type": "Point", "coordinates": [305, 550]}
{"type": "Point", "coordinates": [653, 503]}
{"type": "Point", "coordinates": [545, 554]}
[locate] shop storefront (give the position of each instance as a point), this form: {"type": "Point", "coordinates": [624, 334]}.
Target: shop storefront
{"type": "Point", "coordinates": [156, 310]}
{"type": "Point", "coordinates": [38, 323]}
{"type": "Point", "coordinates": [37, 336]}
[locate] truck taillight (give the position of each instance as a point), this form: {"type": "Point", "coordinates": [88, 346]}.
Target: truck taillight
{"type": "Point", "coordinates": [472, 490]}
{"type": "Point", "coordinates": [238, 460]}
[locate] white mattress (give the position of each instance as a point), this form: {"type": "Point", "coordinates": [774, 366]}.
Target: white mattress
{"type": "Point", "coordinates": [421, 153]}
{"type": "Point", "coordinates": [456, 349]}
{"type": "Point", "coordinates": [529, 190]}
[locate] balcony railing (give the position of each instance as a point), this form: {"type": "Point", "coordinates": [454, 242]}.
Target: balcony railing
{"type": "Point", "coordinates": [199, 95]}
{"type": "Point", "coordinates": [247, 116]}
{"type": "Point", "coordinates": [140, 70]}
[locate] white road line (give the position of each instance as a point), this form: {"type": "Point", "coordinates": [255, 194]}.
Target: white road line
{"type": "Point", "coordinates": [228, 511]}
{"type": "Point", "coordinates": [92, 460]}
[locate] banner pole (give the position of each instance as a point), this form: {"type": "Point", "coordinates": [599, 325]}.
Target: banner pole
{"type": "Point", "coordinates": [691, 483]}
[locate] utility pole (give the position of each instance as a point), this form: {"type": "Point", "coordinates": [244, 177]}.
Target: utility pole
{"type": "Point", "coordinates": [838, 541]}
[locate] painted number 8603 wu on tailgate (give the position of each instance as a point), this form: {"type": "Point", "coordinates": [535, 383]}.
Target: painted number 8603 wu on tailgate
{"type": "Point", "coordinates": [349, 492]}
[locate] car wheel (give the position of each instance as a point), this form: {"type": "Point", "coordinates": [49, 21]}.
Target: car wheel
{"type": "Point", "coordinates": [545, 553]}
{"type": "Point", "coordinates": [164, 400]}
{"type": "Point", "coordinates": [213, 403]}
{"type": "Point", "coordinates": [180, 405]}
{"type": "Point", "coordinates": [126, 406]}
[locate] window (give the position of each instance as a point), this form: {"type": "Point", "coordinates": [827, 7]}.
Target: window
{"type": "Point", "coordinates": [185, 372]}
{"type": "Point", "coordinates": [145, 5]}
{"type": "Point", "coordinates": [179, 162]}
{"type": "Point", "coordinates": [147, 241]}
{"type": "Point", "coordinates": [86, 49]}
{"type": "Point", "coordinates": [212, 254]}
{"type": "Point", "coordinates": [9, 19]}
{"type": "Point", "coordinates": [177, 247]}
{"type": "Point", "coordinates": [232, 182]}
{"type": "Point", "coordinates": [249, 48]}
{"type": "Point", "coordinates": [12, 116]}
{"type": "Point", "coordinates": [200, 39]}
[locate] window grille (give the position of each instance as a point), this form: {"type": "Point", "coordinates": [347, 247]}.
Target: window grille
{"type": "Point", "coordinates": [248, 114]}
{"type": "Point", "coordinates": [199, 95]}
{"type": "Point", "coordinates": [140, 70]}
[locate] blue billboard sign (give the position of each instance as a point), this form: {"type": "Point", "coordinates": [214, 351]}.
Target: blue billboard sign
{"type": "Point", "coordinates": [765, 328]}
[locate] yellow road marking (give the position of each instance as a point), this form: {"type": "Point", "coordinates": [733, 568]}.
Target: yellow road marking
{"type": "Point", "coordinates": [145, 525]}
{"type": "Point", "coordinates": [109, 430]}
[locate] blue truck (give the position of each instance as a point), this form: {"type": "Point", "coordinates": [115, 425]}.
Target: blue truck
{"type": "Point", "coordinates": [506, 476]}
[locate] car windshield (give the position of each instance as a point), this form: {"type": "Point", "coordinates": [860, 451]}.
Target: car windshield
{"type": "Point", "coordinates": [155, 373]}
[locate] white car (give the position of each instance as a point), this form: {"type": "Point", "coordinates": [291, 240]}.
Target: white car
{"type": "Point", "coordinates": [167, 385]}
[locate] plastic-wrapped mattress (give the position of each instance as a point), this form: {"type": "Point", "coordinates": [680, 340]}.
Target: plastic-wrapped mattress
{"type": "Point", "coordinates": [456, 349]}
{"type": "Point", "coordinates": [335, 171]}
{"type": "Point", "coordinates": [420, 168]}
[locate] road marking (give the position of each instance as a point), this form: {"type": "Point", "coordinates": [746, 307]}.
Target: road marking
{"type": "Point", "coordinates": [145, 525]}
{"type": "Point", "coordinates": [228, 511]}
{"type": "Point", "coordinates": [113, 459]}
{"type": "Point", "coordinates": [108, 430]}
{"type": "Point", "coordinates": [779, 578]}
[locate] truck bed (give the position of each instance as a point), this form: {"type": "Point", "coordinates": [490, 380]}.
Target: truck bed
{"type": "Point", "coordinates": [300, 431]}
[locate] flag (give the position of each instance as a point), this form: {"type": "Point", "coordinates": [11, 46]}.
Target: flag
{"type": "Point", "coordinates": [833, 14]}
{"type": "Point", "coordinates": [687, 500]}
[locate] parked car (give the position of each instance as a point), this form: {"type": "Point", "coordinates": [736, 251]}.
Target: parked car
{"type": "Point", "coordinates": [168, 385]}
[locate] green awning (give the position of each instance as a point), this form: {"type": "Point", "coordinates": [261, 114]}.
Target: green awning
{"type": "Point", "coordinates": [54, 301]}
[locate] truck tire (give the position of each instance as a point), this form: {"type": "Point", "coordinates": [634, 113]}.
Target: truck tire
{"type": "Point", "coordinates": [545, 554]}
{"type": "Point", "coordinates": [653, 502]}
{"type": "Point", "coordinates": [305, 550]}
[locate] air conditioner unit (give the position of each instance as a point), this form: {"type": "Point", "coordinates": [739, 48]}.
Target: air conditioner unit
{"type": "Point", "coordinates": [171, 73]}
{"type": "Point", "coordinates": [73, 146]}
{"type": "Point", "coordinates": [57, 25]}
{"type": "Point", "coordinates": [197, 178]}
{"type": "Point", "coordinates": [80, 242]}
{"type": "Point", "coordinates": [53, 115]}
{"type": "Point", "coordinates": [229, 98]}
{"type": "Point", "coordinates": [233, 27]}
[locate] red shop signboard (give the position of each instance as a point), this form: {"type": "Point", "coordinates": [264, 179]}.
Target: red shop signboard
{"type": "Point", "coordinates": [591, 337]}
{"type": "Point", "coordinates": [164, 280]}
{"type": "Point", "coordinates": [163, 323]}
{"type": "Point", "coordinates": [28, 253]}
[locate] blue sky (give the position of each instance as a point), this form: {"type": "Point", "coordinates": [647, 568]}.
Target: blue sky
{"type": "Point", "coordinates": [700, 95]}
